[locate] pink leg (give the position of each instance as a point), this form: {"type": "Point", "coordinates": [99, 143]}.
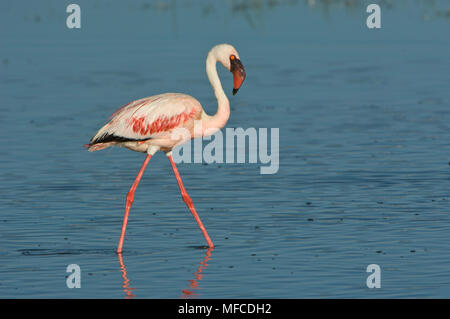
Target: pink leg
{"type": "Point", "coordinates": [129, 202]}
{"type": "Point", "coordinates": [189, 202]}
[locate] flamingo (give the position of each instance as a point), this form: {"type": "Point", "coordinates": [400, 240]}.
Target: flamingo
{"type": "Point", "coordinates": [147, 125]}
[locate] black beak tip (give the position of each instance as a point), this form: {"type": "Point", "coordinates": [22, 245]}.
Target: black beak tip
{"type": "Point", "coordinates": [235, 91]}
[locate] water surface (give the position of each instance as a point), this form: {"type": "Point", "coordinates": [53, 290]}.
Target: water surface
{"type": "Point", "coordinates": [364, 171]}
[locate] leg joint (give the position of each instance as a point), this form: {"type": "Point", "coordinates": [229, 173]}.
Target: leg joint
{"type": "Point", "coordinates": [187, 199]}
{"type": "Point", "coordinates": [130, 197]}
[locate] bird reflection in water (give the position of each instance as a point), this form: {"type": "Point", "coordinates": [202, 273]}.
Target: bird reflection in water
{"type": "Point", "coordinates": [186, 293]}
{"type": "Point", "coordinates": [194, 283]}
{"type": "Point", "coordinates": [126, 282]}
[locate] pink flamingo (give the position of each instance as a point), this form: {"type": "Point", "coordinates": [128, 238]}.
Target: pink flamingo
{"type": "Point", "coordinates": [147, 125]}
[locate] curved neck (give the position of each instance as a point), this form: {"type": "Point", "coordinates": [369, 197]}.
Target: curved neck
{"type": "Point", "coordinates": [218, 120]}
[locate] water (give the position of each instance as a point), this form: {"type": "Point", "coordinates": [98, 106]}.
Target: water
{"type": "Point", "coordinates": [364, 171]}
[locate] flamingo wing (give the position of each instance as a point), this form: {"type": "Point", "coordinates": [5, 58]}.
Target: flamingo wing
{"type": "Point", "coordinates": [148, 117]}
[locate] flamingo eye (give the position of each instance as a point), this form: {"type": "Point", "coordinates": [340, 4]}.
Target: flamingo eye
{"type": "Point", "coordinates": [232, 57]}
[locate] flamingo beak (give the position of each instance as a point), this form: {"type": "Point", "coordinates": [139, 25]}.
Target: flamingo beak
{"type": "Point", "coordinates": [238, 74]}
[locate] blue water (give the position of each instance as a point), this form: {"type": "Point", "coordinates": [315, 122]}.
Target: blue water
{"type": "Point", "coordinates": [364, 176]}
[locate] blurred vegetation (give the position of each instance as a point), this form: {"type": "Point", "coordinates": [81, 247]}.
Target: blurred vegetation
{"type": "Point", "coordinates": [253, 10]}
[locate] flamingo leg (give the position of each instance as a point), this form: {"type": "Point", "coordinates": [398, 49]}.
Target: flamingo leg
{"type": "Point", "coordinates": [129, 202]}
{"type": "Point", "coordinates": [187, 199]}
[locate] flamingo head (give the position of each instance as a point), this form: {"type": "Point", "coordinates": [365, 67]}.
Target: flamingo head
{"type": "Point", "coordinates": [229, 57]}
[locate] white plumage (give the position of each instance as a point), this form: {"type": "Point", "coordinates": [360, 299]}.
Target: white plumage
{"type": "Point", "coordinates": [153, 118]}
